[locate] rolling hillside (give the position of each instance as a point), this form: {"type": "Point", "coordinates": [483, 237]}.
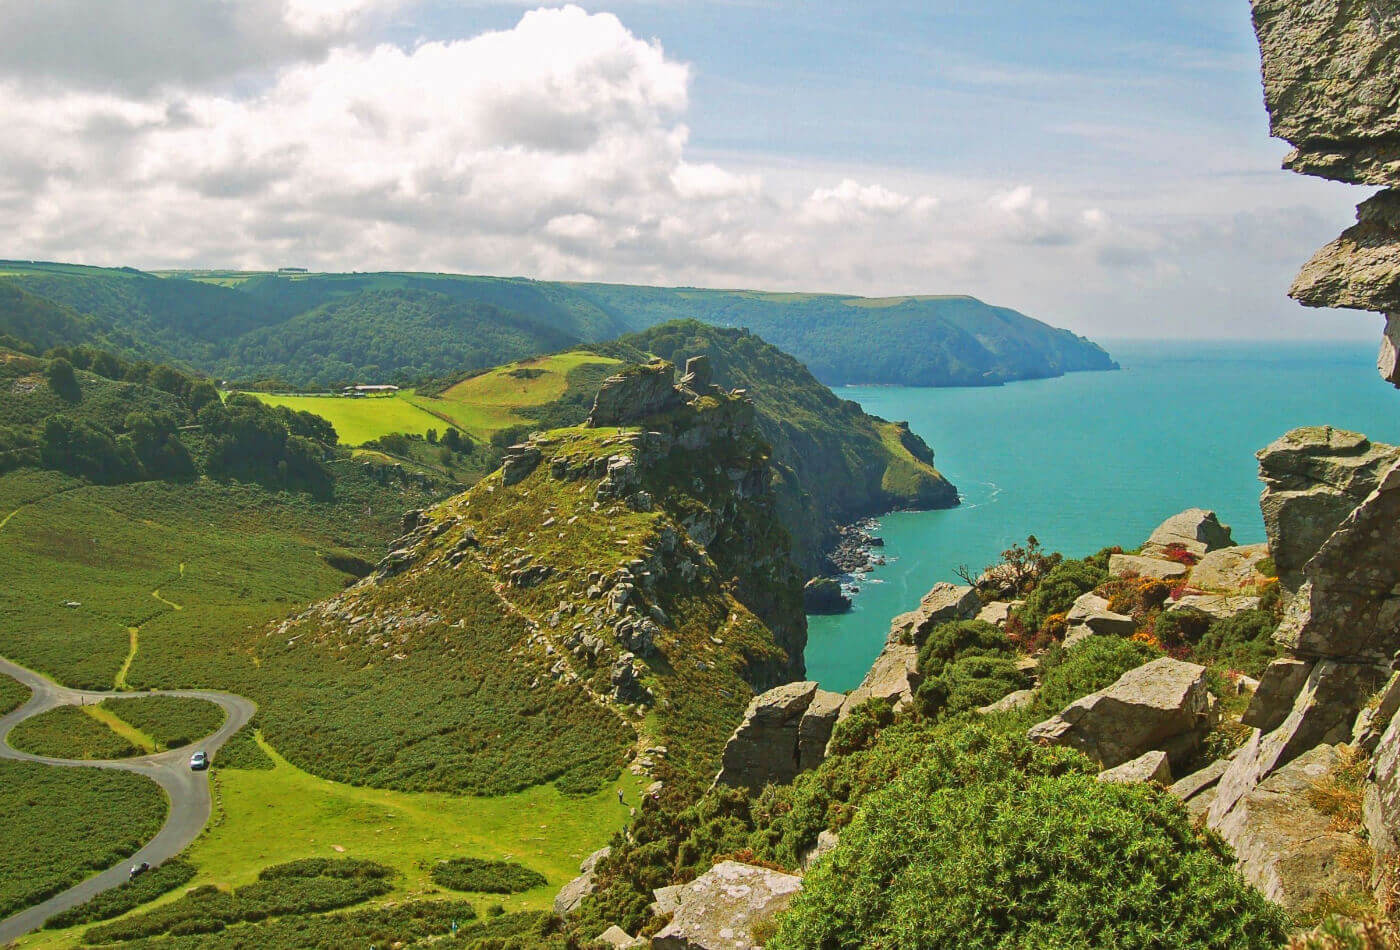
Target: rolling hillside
{"type": "Point", "coordinates": [323, 330]}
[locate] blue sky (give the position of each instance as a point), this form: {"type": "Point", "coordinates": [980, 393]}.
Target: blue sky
{"type": "Point", "coordinates": [1103, 166]}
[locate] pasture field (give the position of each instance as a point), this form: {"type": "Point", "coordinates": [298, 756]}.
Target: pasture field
{"type": "Point", "coordinates": [63, 824]}
{"type": "Point", "coordinates": [358, 421]}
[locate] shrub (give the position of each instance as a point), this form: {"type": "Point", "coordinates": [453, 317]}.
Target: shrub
{"type": "Point", "coordinates": [126, 896]}
{"type": "Point", "coordinates": [859, 729]}
{"type": "Point", "coordinates": [1244, 642]}
{"type": "Point", "coordinates": [963, 665]}
{"type": "Point", "coordinates": [487, 877]}
{"type": "Point", "coordinates": [1025, 861]}
{"type": "Point", "coordinates": [1060, 588]}
{"type": "Point", "coordinates": [1066, 675]}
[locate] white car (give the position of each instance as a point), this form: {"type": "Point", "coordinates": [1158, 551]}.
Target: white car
{"type": "Point", "coordinates": [199, 761]}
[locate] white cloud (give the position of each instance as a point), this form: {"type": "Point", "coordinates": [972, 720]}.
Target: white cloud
{"type": "Point", "coordinates": [556, 148]}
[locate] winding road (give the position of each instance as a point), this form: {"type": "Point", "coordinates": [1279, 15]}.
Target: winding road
{"type": "Point", "coordinates": [188, 791]}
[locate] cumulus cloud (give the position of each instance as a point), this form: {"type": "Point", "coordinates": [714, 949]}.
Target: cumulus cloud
{"type": "Point", "coordinates": [556, 148]}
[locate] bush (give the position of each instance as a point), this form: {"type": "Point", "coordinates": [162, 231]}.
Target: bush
{"type": "Point", "coordinates": [1244, 642]}
{"type": "Point", "coordinates": [1066, 675]}
{"type": "Point", "coordinates": [1059, 589]}
{"type": "Point", "coordinates": [965, 664]}
{"type": "Point", "coordinates": [486, 877]}
{"type": "Point", "coordinates": [126, 896]}
{"type": "Point", "coordinates": [859, 729]}
{"type": "Point", "coordinates": [1031, 860]}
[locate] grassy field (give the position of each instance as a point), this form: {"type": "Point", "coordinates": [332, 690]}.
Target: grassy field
{"type": "Point", "coordinates": [86, 565]}
{"type": "Point", "coordinates": [62, 824]}
{"type": "Point", "coordinates": [170, 721]}
{"type": "Point", "coordinates": [357, 421]}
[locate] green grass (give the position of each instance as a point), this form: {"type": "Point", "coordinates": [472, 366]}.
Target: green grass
{"type": "Point", "coordinates": [63, 824]}
{"type": "Point", "coordinates": [13, 694]}
{"type": "Point", "coordinates": [126, 896]}
{"type": "Point", "coordinates": [171, 721]}
{"type": "Point", "coordinates": [70, 732]}
{"type": "Point", "coordinates": [357, 421]}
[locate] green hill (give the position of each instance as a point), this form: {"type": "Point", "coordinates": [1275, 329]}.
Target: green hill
{"type": "Point", "coordinates": [321, 330]}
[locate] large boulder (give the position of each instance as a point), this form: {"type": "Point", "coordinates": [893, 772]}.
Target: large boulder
{"type": "Point", "coordinates": [1284, 845]}
{"type": "Point", "coordinates": [1381, 801]}
{"type": "Point", "coordinates": [1091, 612]}
{"type": "Point", "coordinates": [784, 731]}
{"type": "Point", "coordinates": [1162, 705]}
{"type": "Point", "coordinates": [1230, 569]}
{"type": "Point", "coordinates": [1148, 767]}
{"type": "Point", "coordinates": [1314, 477]}
{"type": "Point", "coordinates": [1273, 697]}
{"type": "Point", "coordinates": [1195, 530]}
{"type": "Point", "coordinates": [943, 603]}
{"type": "Point", "coordinates": [996, 613]}
{"type": "Point", "coordinates": [1214, 606]}
{"type": "Point", "coordinates": [1197, 790]}
{"type": "Point", "coordinates": [728, 907]}
{"type": "Point", "coordinates": [1375, 716]}
{"type": "Point", "coordinates": [1136, 565]}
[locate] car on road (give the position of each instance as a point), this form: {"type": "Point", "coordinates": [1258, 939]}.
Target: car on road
{"type": "Point", "coordinates": [138, 869]}
{"type": "Point", "coordinates": [199, 761]}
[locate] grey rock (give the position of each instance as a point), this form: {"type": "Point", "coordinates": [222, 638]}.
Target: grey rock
{"type": "Point", "coordinates": [1388, 360]}
{"type": "Point", "coordinates": [722, 908]}
{"type": "Point", "coordinates": [615, 936]}
{"type": "Point", "coordinates": [1381, 793]}
{"type": "Point", "coordinates": [1195, 530]}
{"type": "Point", "coordinates": [1230, 569]}
{"type": "Point", "coordinates": [665, 900]}
{"type": "Point", "coordinates": [822, 595]}
{"type": "Point", "coordinates": [1361, 269]}
{"type": "Point", "coordinates": [1092, 612]}
{"type": "Point", "coordinates": [573, 893]}
{"type": "Point", "coordinates": [893, 677]}
{"type": "Point", "coordinates": [814, 731]}
{"type": "Point", "coordinates": [635, 395]}
{"type": "Point", "coordinates": [1283, 845]}
{"type": "Point", "coordinates": [1134, 565]}
{"type": "Point", "coordinates": [1075, 636]}
{"type": "Point", "coordinates": [996, 613]}
{"type": "Point", "coordinates": [1273, 697]}
{"type": "Point", "coordinates": [1019, 699]}
{"type": "Point", "coordinates": [519, 462]}
{"type": "Point", "coordinates": [1214, 606]}
{"type": "Point", "coordinates": [1160, 705]}
{"type": "Point", "coordinates": [1375, 716]}
{"type": "Point", "coordinates": [1197, 783]}
{"type": "Point", "coordinates": [699, 374]}
{"type": "Point", "coordinates": [1148, 767]}
{"type": "Point", "coordinates": [764, 747]}
{"type": "Point", "coordinates": [826, 842]}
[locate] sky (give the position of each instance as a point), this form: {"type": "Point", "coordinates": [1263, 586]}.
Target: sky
{"type": "Point", "coordinates": [1101, 166]}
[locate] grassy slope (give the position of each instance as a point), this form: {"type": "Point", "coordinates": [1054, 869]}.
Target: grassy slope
{"type": "Point", "coordinates": [357, 421]}
{"type": "Point", "coordinates": [67, 823]}
{"type": "Point", "coordinates": [169, 721]}
{"type": "Point", "coordinates": [70, 732]}
{"type": "Point", "coordinates": [13, 694]}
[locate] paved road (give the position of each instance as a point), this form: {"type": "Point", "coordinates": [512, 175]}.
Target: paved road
{"type": "Point", "coordinates": [188, 791]}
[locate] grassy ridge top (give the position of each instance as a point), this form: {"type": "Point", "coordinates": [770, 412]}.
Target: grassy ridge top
{"type": "Point", "coordinates": [325, 329]}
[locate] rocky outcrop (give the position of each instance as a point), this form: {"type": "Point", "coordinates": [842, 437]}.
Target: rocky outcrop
{"type": "Point", "coordinates": [1148, 767]}
{"type": "Point", "coordinates": [1091, 613]}
{"type": "Point", "coordinates": [997, 612]}
{"type": "Point", "coordinates": [893, 677]}
{"type": "Point", "coordinates": [728, 907]}
{"type": "Point", "coordinates": [1019, 699]}
{"type": "Point", "coordinates": [1214, 606]}
{"type": "Point", "coordinates": [1314, 477]}
{"type": "Point", "coordinates": [1230, 569]}
{"type": "Point", "coordinates": [1332, 90]}
{"type": "Point", "coordinates": [822, 595]}
{"type": "Point", "coordinates": [636, 394]}
{"type": "Point", "coordinates": [573, 893]}
{"type": "Point", "coordinates": [1197, 790]}
{"type": "Point", "coordinates": [785, 731]}
{"type": "Point", "coordinates": [943, 603]}
{"type": "Point", "coordinates": [1162, 705]}
{"type": "Point", "coordinates": [1284, 845]}
{"type": "Point", "coordinates": [1134, 565]}
{"type": "Point", "coordinates": [1195, 531]}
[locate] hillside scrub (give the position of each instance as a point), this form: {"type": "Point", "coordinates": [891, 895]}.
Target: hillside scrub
{"type": "Point", "coordinates": [13, 694]}
{"type": "Point", "coordinates": [172, 721]}
{"type": "Point", "coordinates": [1028, 860]}
{"type": "Point", "coordinates": [125, 897]}
{"type": "Point", "coordinates": [964, 665]}
{"type": "Point", "coordinates": [69, 733]}
{"type": "Point", "coordinates": [486, 877]}
{"type": "Point", "coordinates": [72, 822]}
{"type": "Point", "coordinates": [1056, 592]}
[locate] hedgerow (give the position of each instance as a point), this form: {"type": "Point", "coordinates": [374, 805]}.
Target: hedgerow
{"type": "Point", "coordinates": [126, 896]}
{"type": "Point", "coordinates": [308, 886]}
{"type": "Point", "coordinates": [67, 824]}
{"type": "Point", "coordinates": [1025, 860]}
{"type": "Point", "coordinates": [486, 877]}
{"type": "Point", "coordinates": [172, 721]}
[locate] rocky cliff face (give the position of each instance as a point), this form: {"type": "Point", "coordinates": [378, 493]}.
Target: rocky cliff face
{"type": "Point", "coordinates": [1333, 91]}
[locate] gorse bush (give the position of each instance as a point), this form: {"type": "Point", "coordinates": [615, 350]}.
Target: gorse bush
{"type": "Point", "coordinates": [1025, 860]}
{"type": "Point", "coordinates": [964, 665]}
{"type": "Point", "coordinates": [298, 887]}
{"type": "Point", "coordinates": [1059, 589]}
{"type": "Point", "coordinates": [487, 877]}
{"type": "Point", "coordinates": [1066, 675]}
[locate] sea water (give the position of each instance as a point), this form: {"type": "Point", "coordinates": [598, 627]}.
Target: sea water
{"type": "Point", "coordinates": [1095, 459]}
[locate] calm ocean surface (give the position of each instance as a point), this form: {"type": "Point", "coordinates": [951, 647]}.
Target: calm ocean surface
{"type": "Point", "coordinates": [1095, 459]}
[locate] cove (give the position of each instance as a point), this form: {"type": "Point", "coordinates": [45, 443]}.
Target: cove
{"type": "Point", "coordinates": [1095, 459]}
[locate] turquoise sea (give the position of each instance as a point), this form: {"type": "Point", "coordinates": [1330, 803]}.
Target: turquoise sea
{"type": "Point", "coordinates": [1095, 459]}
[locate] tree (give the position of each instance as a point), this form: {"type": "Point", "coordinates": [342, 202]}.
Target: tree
{"type": "Point", "coordinates": [63, 380]}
